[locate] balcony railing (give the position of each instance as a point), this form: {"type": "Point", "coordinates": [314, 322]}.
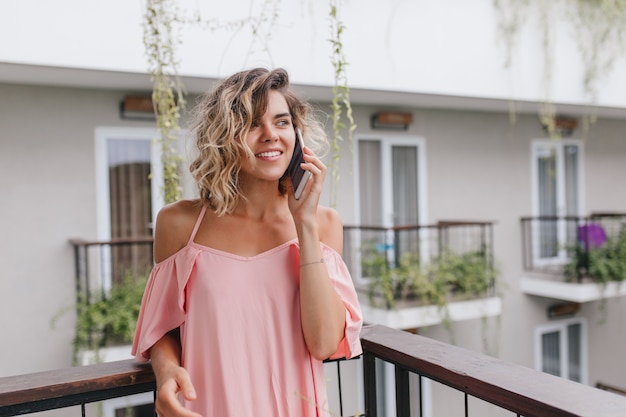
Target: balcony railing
{"type": "Point", "coordinates": [473, 384]}
{"type": "Point", "coordinates": [424, 243]}
{"type": "Point", "coordinates": [413, 276]}
{"type": "Point", "coordinates": [549, 242]}
{"type": "Point", "coordinates": [101, 264]}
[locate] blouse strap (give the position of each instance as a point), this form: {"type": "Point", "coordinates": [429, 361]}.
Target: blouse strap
{"type": "Point", "coordinates": [197, 225]}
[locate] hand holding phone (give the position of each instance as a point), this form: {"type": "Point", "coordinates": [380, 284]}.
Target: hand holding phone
{"type": "Point", "coordinates": [299, 176]}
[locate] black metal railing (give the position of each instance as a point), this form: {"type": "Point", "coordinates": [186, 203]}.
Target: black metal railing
{"type": "Point", "coordinates": [550, 242]}
{"type": "Point", "coordinates": [473, 383]}
{"type": "Point", "coordinates": [467, 383]}
{"type": "Point", "coordinates": [368, 249]}
{"type": "Point", "coordinates": [101, 264]}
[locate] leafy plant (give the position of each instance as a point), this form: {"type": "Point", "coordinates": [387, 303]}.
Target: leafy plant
{"type": "Point", "coordinates": [108, 319]}
{"type": "Point", "coordinates": [599, 29]}
{"type": "Point", "coordinates": [602, 264]}
{"type": "Point", "coordinates": [160, 40]}
{"type": "Point", "coordinates": [340, 103]}
{"type": "Point", "coordinates": [449, 275]}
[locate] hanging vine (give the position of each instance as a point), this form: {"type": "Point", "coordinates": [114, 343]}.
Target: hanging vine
{"type": "Point", "coordinates": [161, 40]}
{"type": "Point", "coordinates": [547, 109]}
{"type": "Point", "coordinates": [162, 20]}
{"type": "Point", "coordinates": [341, 109]}
{"type": "Point", "coordinates": [599, 28]}
{"type": "Point", "coordinates": [600, 36]}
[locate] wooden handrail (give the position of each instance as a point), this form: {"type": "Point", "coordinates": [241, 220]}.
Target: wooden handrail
{"type": "Point", "coordinates": [519, 389]}
{"type": "Point", "coordinates": [516, 388]}
{"type": "Point", "coordinates": [41, 391]}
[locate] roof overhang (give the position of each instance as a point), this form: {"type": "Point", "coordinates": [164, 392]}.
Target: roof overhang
{"type": "Point", "coordinates": [26, 74]}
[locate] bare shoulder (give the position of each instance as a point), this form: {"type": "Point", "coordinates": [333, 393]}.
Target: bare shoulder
{"type": "Point", "coordinates": [174, 226]}
{"type": "Point", "coordinates": [330, 227]}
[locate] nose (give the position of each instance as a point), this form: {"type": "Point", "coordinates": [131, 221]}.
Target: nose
{"type": "Point", "coordinates": [269, 133]}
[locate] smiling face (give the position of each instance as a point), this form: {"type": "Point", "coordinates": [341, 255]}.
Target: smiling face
{"type": "Point", "coordinates": [271, 139]}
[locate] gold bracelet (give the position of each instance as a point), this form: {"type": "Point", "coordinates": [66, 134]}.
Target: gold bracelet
{"type": "Point", "coordinates": [321, 261]}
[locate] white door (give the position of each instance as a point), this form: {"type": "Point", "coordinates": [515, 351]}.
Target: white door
{"type": "Point", "coordinates": [390, 191]}
{"type": "Point", "coordinates": [557, 198]}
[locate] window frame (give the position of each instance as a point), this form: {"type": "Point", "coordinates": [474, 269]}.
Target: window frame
{"type": "Point", "coordinates": [538, 147]}
{"type": "Point", "coordinates": [387, 142]}
{"type": "Point", "coordinates": [561, 326]}
{"type": "Point", "coordinates": [103, 136]}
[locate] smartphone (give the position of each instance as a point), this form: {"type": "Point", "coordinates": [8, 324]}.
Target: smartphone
{"type": "Point", "coordinates": [299, 176]}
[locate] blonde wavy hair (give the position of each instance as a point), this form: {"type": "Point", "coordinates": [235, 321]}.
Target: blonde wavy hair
{"type": "Point", "coordinates": [221, 122]}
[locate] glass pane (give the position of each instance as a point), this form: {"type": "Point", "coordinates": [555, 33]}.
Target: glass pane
{"type": "Point", "coordinates": [404, 174]}
{"type": "Point", "coordinates": [550, 353]}
{"type": "Point", "coordinates": [405, 207]}
{"type": "Point", "coordinates": [571, 190]}
{"type": "Point", "coordinates": [547, 205]}
{"type": "Point", "coordinates": [571, 180]}
{"type": "Point", "coordinates": [131, 204]}
{"type": "Point", "coordinates": [373, 242]}
{"type": "Point", "coordinates": [370, 186]}
{"type": "Point", "coordinates": [574, 351]}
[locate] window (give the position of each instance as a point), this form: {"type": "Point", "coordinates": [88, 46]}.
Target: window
{"type": "Point", "coordinates": [560, 349]}
{"type": "Point", "coordinates": [390, 181]}
{"type": "Point", "coordinates": [128, 184]}
{"type": "Point", "coordinates": [390, 190]}
{"type": "Point", "coordinates": [557, 192]}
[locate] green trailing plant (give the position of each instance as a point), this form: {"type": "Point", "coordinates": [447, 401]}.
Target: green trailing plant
{"type": "Point", "coordinates": [160, 42]}
{"type": "Point", "coordinates": [600, 30]}
{"type": "Point", "coordinates": [598, 26]}
{"type": "Point", "coordinates": [449, 276]}
{"type": "Point", "coordinates": [161, 23]}
{"type": "Point", "coordinates": [341, 108]}
{"type": "Point", "coordinates": [603, 264]}
{"type": "Point", "coordinates": [105, 319]}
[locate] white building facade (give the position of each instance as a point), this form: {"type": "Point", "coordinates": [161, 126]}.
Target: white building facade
{"type": "Point", "coordinates": [64, 74]}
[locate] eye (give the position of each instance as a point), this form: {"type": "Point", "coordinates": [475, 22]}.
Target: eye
{"type": "Point", "coordinates": [284, 122]}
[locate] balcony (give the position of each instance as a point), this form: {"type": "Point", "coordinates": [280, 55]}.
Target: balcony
{"type": "Point", "coordinates": [431, 379]}
{"type": "Point", "coordinates": [462, 251]}
{"type": "Point", "coordinates": [574, 259]}
{"type": "Point", "coordinates": [421, 275]}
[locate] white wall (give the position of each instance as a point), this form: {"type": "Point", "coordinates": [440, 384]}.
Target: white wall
{"type": "Point", "coordinates": [47, 178]}
{"type": "Point", "coordinates": [478, 169]}
{"type": "Point", "coordinates": [448, 47]}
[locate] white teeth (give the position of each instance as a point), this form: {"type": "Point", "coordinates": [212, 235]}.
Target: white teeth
{"type": "Point", "coordinates": [268, 154]}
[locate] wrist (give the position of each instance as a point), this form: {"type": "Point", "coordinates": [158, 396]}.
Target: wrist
{"type": "Point", "coordinates": [318, 262]}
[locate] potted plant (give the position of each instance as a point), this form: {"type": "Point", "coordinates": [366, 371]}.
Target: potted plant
{"type": "Point", "coordinates": [450, 276]}
{"type": "Point", "coordinates": [601, 263]}
{"type": "Point", "coordinates": [107, 319]}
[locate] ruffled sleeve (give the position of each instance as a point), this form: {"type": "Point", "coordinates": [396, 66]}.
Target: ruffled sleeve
{"type": "Point", "coordinates": [350, 345]}
{"type": "Point", "coordinates": [163, 303]}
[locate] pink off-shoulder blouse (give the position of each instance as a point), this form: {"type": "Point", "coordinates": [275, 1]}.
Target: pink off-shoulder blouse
{"type": "Point", "coordinates": [240, 330]}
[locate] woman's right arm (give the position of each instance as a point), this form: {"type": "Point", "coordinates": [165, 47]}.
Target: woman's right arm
{"type": "Point", "coordinates": [172, 225]}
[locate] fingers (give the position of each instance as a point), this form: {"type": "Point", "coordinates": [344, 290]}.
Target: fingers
{"type": "Point", "coordinates": [167, 403]}
{"type": "Point", "coordinates": [186, 387]}
{"type": "Point", "coordinates": [313, 164]}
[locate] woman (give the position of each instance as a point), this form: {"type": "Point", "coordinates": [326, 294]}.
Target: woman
{"type": "Point", "coordinates": [249, 292]}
